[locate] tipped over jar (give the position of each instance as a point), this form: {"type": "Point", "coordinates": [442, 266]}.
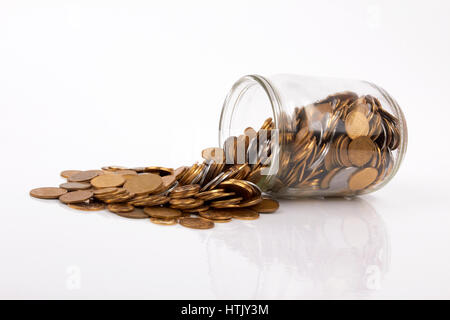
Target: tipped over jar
{"type": "Point", "coordinates": [301, 136]}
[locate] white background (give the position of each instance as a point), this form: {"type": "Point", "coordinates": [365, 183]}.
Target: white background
{"type": "Point", "coordinates": [90, 83]}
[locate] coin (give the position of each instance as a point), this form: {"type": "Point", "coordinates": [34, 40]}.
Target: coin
{"type": "Point", "coordinates": [197, 210]}
{"type": "Point", "coordinates": [104, 191]}
{"type": "Point", "coordinates": [76, 196]}
{"type": "Point", "coordinates": [135, 214]}
{"type": "Point", "coordinates": [88, 206]}
{"type": "Point", "coordinates": [196, 223]}
{"type": "Point", "coordinates": [240, 187]}
{"type": "Point", "coordinates": [47, 193]}
{"type": "Point", "coordinates": [356, 124]}
{"type": "Point", "coordinates": [144, 183]}
{"type": "Point", "coordinates": [362, 178]}
{"type": "Point", "coordinates": [216, 214]}
{"type": "Point", "coordinates": [325, 183]}
{"type": "Point", "coordinates": [73, 186]}
{"type": "Point", "coordinates": [67, 173]}
{"type": "Point", "coordinates": [250, 202]}
{"type": "Point", "coordinates": [217, 220]}
{"type": "Point", "coordinates": [159, 170]}
{"type": "Point", "coordinates": [108, 181]}
{"type": "Point", "coordinates": [361, 150]}
{"type": "Point", "coordinates": [267, 205]}
{"type": "Point", "coordinates": [185, 191]}
{"type": "Point", "coordinates": [161, 212]}
{"type": "Point", "coordinates": [244, 214]}
{"type": "Point", "coordinates": [164, 221]}
{"type": "Point", "coordinates": [120, 207]}
{"type": "Point", "coordinates": [178, 173]}
{"type": "Point", "coordinates": [168, 180]}
{"type": "Point", "coordinates": [84, 176]}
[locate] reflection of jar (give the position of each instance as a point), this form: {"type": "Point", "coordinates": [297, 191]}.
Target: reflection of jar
{"type": "Point", "coordinates": [319, 136]}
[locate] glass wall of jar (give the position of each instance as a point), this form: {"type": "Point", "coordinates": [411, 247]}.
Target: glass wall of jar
{"type": "Point", "coordinates": [308, 136]}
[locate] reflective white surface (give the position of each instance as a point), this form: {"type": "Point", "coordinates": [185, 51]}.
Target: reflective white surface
{"type": "Point", "coordinates": [135, 83]}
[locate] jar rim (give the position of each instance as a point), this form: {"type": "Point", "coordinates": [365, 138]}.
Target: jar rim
{"type": "Point", "coordinates": [234, 95]}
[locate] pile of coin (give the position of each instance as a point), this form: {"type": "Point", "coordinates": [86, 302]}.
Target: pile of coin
{"type": "Point", "coordinates": [195, 197]}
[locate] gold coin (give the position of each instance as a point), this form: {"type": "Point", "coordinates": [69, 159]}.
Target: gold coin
{"type": "Point", "coordinates": [197, 210]}
{"type": "Point", "coordinates": [240, 187]}
{"type": "Point", "coordinates": [114, 168]}
{"type": "Point", "coordinates": [125, 172]}
{"type": "Point", "coordinates": [168, 181]}
{"type": "Point", "coordinates": [343, 152]}
{"type": "Point", "coordinates": [216, 214]}
{"type": "Point", "coordinates": [108, 181]}
{"type": "Point", "coordinates": [84, 176]}
{"type": "Point", "coordinates": [76, 196]}
{"type": "Point", "coordinates": [159, 170]}
{"type": "Point", "coordinates": [164, 222]}
{"type": "Point", "coordinates": [356, 124]}
{"type": "Point", "coordinates": [48, 193]}
{"type": "Point", "coordinates": [135, 214]}
{"type": "Point", "coordinates": [244, 214]}
{"type": "Point", "coordinates": [267, 205]}
{"type": "Point", "coordinates": [184, 204]}
{"type": "Point", "coordinates": [74, 186]}
{"type": "Point", "coordinates": [362, 178]}
{"type": "Point", "coordinates": [161, 212]}
{"type": "Point", "coordinates": [88, 206]}
{"type": "Point", "coordinates": [218, 220]}
{"type": "Point", "coordinates": [361, 150]}
{"type": "Point", "coordinates": [179, 172]}
{"type": "Point", "coordinates": [196, 223]}
{"type": "Point", "coordinates": [67, 173]}
{"type": "Point", "coordinates": [144, 183]}
{"type": "Point", "coordinates": [120, 207]}
{"type": "Point", "coordinates": [185, 191]}
{"type": "Point", "coordinates": [104, 191]}
{"type": "Point", "coordinates": [250, 202]}
{"type": "Point", "coordinates": [228, 203]}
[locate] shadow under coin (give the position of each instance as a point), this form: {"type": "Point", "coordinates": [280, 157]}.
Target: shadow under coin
{"type": "Point", "coordinates": [310, 248]}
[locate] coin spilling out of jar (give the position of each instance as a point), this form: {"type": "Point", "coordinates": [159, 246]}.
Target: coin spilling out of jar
{"type": "Point", "coordinates": [343, 144]}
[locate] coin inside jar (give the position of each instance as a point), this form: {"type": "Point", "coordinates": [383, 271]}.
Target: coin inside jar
{"type": "Point", "coordinates": [362, 179]}
{"type": "Point", "coordinates": [361, 150]}
{"type": "Point", "coordinates": [356, 124]}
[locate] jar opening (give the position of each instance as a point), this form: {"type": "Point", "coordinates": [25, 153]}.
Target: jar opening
{"type": "Point", "coordinates": [249, 103]}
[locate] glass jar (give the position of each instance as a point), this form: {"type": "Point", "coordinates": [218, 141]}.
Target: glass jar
{"type": "Point", "coordinates": [317, 137]}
